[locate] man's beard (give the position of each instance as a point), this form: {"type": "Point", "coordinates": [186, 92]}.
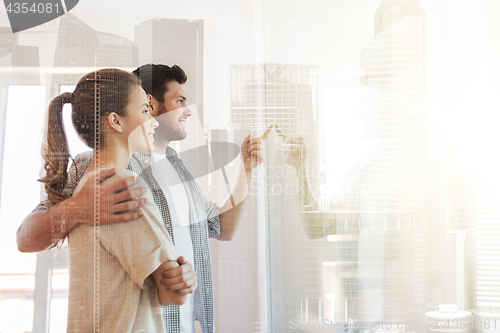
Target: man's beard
{"type": "Point", "coordinates": [168, 131]}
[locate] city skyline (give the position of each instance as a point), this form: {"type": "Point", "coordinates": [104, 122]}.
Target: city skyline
{"type": "Point", "coordinates": [426, 170]}
{"type": "Point", "coordinates": [335, 53]}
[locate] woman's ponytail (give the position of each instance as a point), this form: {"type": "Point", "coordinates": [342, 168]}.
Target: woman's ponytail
{"type": "Point", "coordinates": [56, 151]}
{"type": "Point", "coordinates": [96, 94]}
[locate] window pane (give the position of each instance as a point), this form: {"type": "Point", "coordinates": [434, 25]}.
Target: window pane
{"type": "Point", "coordinates": [20, 194]}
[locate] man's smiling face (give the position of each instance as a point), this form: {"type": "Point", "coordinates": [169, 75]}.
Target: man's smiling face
{"type": "Point", "coordinates": [171, 115]}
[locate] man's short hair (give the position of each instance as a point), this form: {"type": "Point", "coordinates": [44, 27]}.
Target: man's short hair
{"type": "Point", "coordinates": [155, 78]}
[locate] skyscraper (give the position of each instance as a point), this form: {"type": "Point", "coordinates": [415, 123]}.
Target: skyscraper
{"type": "Point", "coordinates": [384, 269]}
{"type": "Point", "coordinates": [18, 65]}
{"type": "Point", "coordinates": [8, 41]}
{"type": "Point", "coordinates": [281, 94]}
{"type": "Point", "coordinates": [13, 57]}
{"type": "Point", "coordinates": [82, 48]}
{"type": "Point", "coordinates": [391, 11]}
{"type": "Point", "coordinates": [488, 263]}
{"type": "Point", "coordinates": [285, 95]}
{"type": "Point", "coordinates": [175, 42]}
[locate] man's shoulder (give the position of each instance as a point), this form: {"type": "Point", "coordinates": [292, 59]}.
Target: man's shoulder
{"type": "Point", "coordinates": [83, 158]}
{"type": "Point", "coordinates": [139, 162]}
{"type": "Point", "coordinates": [79, 165]}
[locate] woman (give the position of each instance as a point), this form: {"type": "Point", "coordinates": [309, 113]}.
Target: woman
{"type": "Point", "coordinates": [115, 269]}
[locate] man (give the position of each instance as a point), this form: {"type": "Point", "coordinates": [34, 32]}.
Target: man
{"type": "Point", "coordinates": [45, 226]}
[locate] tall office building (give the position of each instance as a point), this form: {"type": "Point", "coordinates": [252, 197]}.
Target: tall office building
{"type": "Point", "coordinates": [18, 66]}
{"type": "Point", "coordinates": [80, 49]}
{"type": "Point", "coordinates": [13, 57]}
{"type": "Point", "coordinates": [175, 42]}
{"type": "Point", "coordinates": [391, 11]}
{"type": "Point", "coordinates": [488, 263]}
{"type": "Point", "coordinates": [8, 41]}
{"type": "Point", "coordinates": [394, 180]}
{"type": "Point", "coordinates": [285, 95]}
{"type": "Point", "coordinates": [281, 94]}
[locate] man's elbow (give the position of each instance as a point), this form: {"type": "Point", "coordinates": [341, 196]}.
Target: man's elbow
{"type": "Point", "coordinates": [21, 247]}
{"type": "Point", "coordinates": [26, 236]}
{"type": "Point", "coordinates": [22, 244]}
{"type": "Point", "coordinates": [26, 245]}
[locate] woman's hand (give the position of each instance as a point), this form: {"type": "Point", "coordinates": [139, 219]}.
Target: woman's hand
{"type": "Point", "coordinates": [181, 279]}
{"type": "Point", "coordinates": [175, 280]}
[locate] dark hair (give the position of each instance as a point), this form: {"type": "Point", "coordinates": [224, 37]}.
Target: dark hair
{"type": "Point", "coordinates": [96, 95]}
{"type": "Point", "coordinates": [155, 78]}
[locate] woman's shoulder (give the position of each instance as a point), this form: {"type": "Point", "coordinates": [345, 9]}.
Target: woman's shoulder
{"type": "Point", "coordinates": [117, 176]}
{"type": "Point", "coordinates": [124, 173]}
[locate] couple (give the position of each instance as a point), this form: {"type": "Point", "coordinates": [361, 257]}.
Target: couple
{"type": "Point", "coordinates": [121, 272]}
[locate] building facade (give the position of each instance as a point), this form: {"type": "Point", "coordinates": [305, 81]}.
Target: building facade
{"type": "Point", "coordinates": [80, 50]}
{"type": "Point", "coordinates": [383, 270]}
{"type": "Point", "coordinates": [176, 42]}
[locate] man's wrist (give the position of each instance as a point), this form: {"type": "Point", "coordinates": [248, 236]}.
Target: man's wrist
{"type": "Point", "coordinates": [248, 176]}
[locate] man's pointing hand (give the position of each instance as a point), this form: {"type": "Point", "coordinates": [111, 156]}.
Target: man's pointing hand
{"type": "Point", "coordinates": [251, 150]}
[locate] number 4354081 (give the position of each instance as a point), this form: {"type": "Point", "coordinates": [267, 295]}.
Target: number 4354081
{"type": "Point", "coordinates": [18, 7]}
{"type": "Point", "coordinates": [463, 324]}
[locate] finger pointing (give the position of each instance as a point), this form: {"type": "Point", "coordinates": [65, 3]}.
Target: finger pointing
{"type": "Point", "coordinates": [280, 133]}
{"type": "Point", "coordinates": [266, 133]}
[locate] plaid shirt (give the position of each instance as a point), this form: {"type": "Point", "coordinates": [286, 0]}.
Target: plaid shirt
{"type": "Point", "coordinates": [204, 223]}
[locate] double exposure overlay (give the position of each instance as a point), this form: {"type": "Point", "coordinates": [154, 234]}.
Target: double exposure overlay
{"type": "Point", "coordinates": [377, 205]}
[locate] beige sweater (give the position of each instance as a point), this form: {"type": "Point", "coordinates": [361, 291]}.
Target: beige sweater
{"type": "Point", "coordinates": [124, 255]}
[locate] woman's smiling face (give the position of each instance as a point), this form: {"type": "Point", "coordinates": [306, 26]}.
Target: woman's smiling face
{"type": "Point", "coordinates": [138, 124]}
